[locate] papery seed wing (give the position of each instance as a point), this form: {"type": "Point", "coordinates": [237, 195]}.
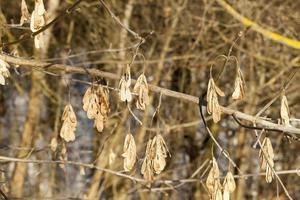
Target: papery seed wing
{"type": "Point", "coordinates": [99, 123]}
{"type": "Point", "coordinates": [210, 181]}
{"type": "Point", "coordinates": [86, 98]}
{"type": "Point", "coordinates": [229, 183]}
{"type": "Point", "coordinates": [40, 7]}
{"type": "Point", "coordinates": [226, 195]}
{"type": "Point", "coordinates": [237, 94]}
{"type": "Point", "coordinates": [159, 162]}
{"type": "Point", "coordinates": [284, 111]}
{"type": "Point", "coordinates": [219, 195]}
{"type": "Point", "coordinates": [269, 149]}
{"type": "Point", "coordinates": [25, 16]}
{"type": "Point", "coordinates": [2, 80]}
{"type": "Point", "coordinates": [128, 95]}
{"type": "Point", "coordinates": [72, 115]}
{"type": "Point", "coordinates": [122, 90]}
{"type": "Point", "coordinates": [269, 174]}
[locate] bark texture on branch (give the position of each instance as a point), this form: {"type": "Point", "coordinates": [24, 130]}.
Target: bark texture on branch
{"type": "Point", "coordinates": [186, 97]}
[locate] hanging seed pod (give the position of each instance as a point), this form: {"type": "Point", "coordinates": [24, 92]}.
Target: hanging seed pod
{"type": "Point", "coordinates": [218, 194]}
{"type": "Point", "coordinates": [239, 89]}
{"type": "Point", "coordinates": [124, 86]}
{"type": "Point", "coordinates": [141, 88]}
{"type": "Point", "coordinates": [129, 152]}
{"type": "Point", "coordinates": [102, 108]}
{"type": "Point", "coordinates": [37, 22]}
{"type": "Point", "coordinates": [96, 104]}
{"type": "Point", "coordinates": [213, 106]}
{"type": "Point", "coordinates": [228, 186]}
{"type": "Point", "coordinates": [229, 183]}
{"type": "Point", "coordinates": [4, 72]}
{"type": "Point", "coordinates": [90, 103]}
{"type": "Point", "coordinates": [284, 111]}
{"type": "Point", "coordinates": [160, 150]}
{"type": "Point", "coordinates": [147, 169]}
{"type": "Point", "coordinates": [25, 15]}
{"type": "Point", "coordinates": [266, 155]}
{"type": "Point", "coordinates": [68, 128]}
{"type": "Point", "coordinates": [213, 181]}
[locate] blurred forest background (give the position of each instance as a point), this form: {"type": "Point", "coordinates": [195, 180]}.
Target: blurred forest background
{"type": "Point", "coordinates": [174, 42]}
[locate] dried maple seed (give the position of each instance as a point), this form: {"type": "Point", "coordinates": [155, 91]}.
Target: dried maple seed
{"type": "Point", "coordinates": [239, 90]}
{"type": "Point", "coordinates": [160, 150]}
{"type": "Point", "coordinates": [124, 86]}
{"type": "Point", "coordinates": [229, 183]}
{"type": "Point", "coordinates": [68, 128]}
{"type": "Point", "coordinates": [284, 111]}
{"type": "Point", "coordinates": [228, 186]}
{"type": "Point", "coordinates": [147, 166]}
{"type": "Point", "coordinates": [37, 22]}
{"type": "Point", "coordinates": [213, 106]}
{"type": "Point", "coordinates": [96, 104]}
{"type": "Point", "coordinates": [213, 181]}
{"type": "Point", "coordinates": [129, 152]}
{"type": "Point", "coordinates": [266, 155]}
{"type": "Point", "coordinates": [141, 88]}
{"type": "Point", "coordinates": [4, 72]}
{"type": "Point", "coordinates": [218, 194]}
{"type": "Point", "coordinates": [25, 15]}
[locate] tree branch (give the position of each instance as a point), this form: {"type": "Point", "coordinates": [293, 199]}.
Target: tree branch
{"type": "Point", "coordinates": [170, 93]}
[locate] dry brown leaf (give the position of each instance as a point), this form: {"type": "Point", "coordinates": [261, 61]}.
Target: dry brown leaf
{"type": "Point", "coordinates": [68, 128]}
{"type": "Point", "coordinates": [25, 15]}
{"type": "Point", "coordinates": [239, 90]}
{"type": "Point", "coordinates": [141, 88]}
{"type": "Point", "coordinates": [284, 111]}
{"type": "Point", "coordinates": [129, 152]}
{"type": "Point", "coordinates": [4, 72]}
